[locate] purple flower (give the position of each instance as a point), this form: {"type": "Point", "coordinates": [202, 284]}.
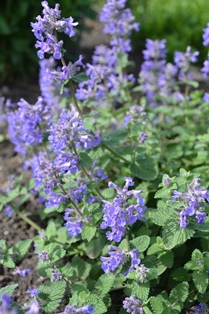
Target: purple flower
{"type": "Point", "coordinates": [193, 201]}
{"type": "Point", "coordinates": [133, 305]}
{"type": "Point", "coordinates": [8, 211]}
{"type": "Point", "coordinates": [56, 274]}
{"type": "Point", "coordinates": [5, 307]}
{"type": "Point", "coordinates": [33, 292]}
{"type": "Point", "coordinates": [23, 272]}
{"type": "Point", "coordinates": [73, 309]}
{"type": "Point", "coordinates": [206, 97]}
{"type": "Point", "coordinates": [24, 123]}
{"type": "Point", "coordinates": [200, 308]}
{"type": "Point", "coordinates": [119, 257]}
{"type": "Point", "coordinates": [43, 256]}
{"type": "Point", "coordinates": [74, 222]}
{"type": "Point", "coordinates": [167, 181]}
{"type": "Point", "coordinates": [105, 76]}
{"type": "Point", "coordinates": [143, 137]}
{"type": "Point", "coordinates": [205, 35]}
{"type": "Point", "coordinates": [45, 27]}
{"type": "Point", "coordinates": [155, 49]}
{"type": "Point", "coordinates": [34, 308]}
{"type": "Point", "coordinates": [205, 69]}
{"type": "Point", "coordinates": [183, 60]}
{"type": "Point", "coordinates": [156, 77]}
{"type": "Point", "coordinates": [119, 214]}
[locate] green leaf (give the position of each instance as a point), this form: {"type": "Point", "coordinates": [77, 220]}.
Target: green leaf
{"type": "Point", "coordinates": [21, 248]}
{"type": "Point", "coordinates": [51, 230]}
{"type": "Point", "coordinates": [97, 303]}
{"type": "Point", "coordinates": [8, 262]}
{"type": "Point", "coordinates": [178, 296]}
{"type": "Point", "coordinates": [104, 284]}
{"type": "Point", "coordinates": [81, 269]}
{"type": "Point", "coordinates": [173, 235]}
{"type": "Point", "coordinates": [81, 77]}
{"type": "Point", "coordinates": [167, 258]}
{"type": "Point", "coordinates": [141, 243]}
{"type": "Point", "coordinates": [8, 289]}
{"type": "Point", "coordinates": [157, 305]}
{"type": "Point", "coordinates": [89, 122]}
{"type": "Point", "coordinates": [88, 232]}
{"type": "Point", "coordinates": [144, 168]}
{"type": "Point", "coordinates": [108, 193]}
{"type": "Point", "coordinates": [113, 138]}
{"type": "Point", "coordinates": [200, 280]}
{"type": "Point", "coordinates": [163, 193]}
{"type": "Point", "coordinates": [140, 290]}
{"type": "Point", "coordinates": [51, 295]}
{"type": "Point", "coordinates": [160, 215]}
{"type": "Point", "coordinates": [85, 160]}
{"type": "Point", "coordinates": [180, 274]}
{"type": "Point", "coordinates": [147, 310]}
{"type": "Point", "coordinates": [95, 246]}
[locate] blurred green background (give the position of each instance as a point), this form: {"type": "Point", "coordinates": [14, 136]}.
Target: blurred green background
{"type": "Point", "coordinates": [179, 21]}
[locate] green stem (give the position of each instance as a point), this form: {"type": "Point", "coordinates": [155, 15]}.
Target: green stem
{"type": "Point", "coordinates": [74, 98]}
{"type": "Point", "coordinates": [114, 153]}
{"type": "Point", "coordinates": [26, 219]}
{"type": "Point", "coordinates": [127, 243]}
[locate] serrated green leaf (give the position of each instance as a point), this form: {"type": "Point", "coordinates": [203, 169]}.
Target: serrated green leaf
{"type": "Point", "coordinates": [51, 230]}
{"type": "Point", "coordinates": [167, 258]}
{"type": "Point", "coordinates": [79, 287]}
{"type": "Point", "coordinates": [180, 274]}
{"type": "Point", "coordinates": [160, 215]}
{"type": "Point", "coordinates": [8, 262]}
{"type": "Point", "coordinates": [178, 296]}
{"type": "Point", "coordinates": [8, 289]}
{"type": "Point", "coordinates": [157, 305]}
{"type": "Point", "coordinates": [95, 246]}
{"type": "Point", "coordinates": [163, 193]}
{"type": "Point", "coordinates": [144, 168]}
{"type": "Point", "coordinates": [97, 303]}
{"type": "Point", "coordinates": [3, 245]}
{"type": "Point", "coordinates": [88, 232]}
{"type": "Point", "coordinates": [20, 248]}
{"type": "Point", "coordinates": [104, 284]}
{"type": "Point", "coordinates": [81, 269]}
{"type": "Point", "coordinates": [200, 280]}
{"type": "Point", "coordinates": [140, 290]}
{"type": "Point", "coordinates": [141, 243]}
{"type": "Point", "coordinates": [114, 137]}
{"type": "Point", "coordinates": [173, 235]}
{"type": "Point", "coordinates": [53, 293]}
{"type": "Point", "coordinates": [108, 193]}
{"type": "Point", "coordinates": [85, 160]}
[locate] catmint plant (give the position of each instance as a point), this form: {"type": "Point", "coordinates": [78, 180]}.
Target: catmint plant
{"type": "Point", "coordinates": [102, 245]}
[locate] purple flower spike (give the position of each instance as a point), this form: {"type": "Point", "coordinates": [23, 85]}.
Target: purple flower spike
{"type": "Point", "coordinates": [205, 35]}
{"type": "Point", "coordinates": [23, 272]}
{"type": "Point", "coordinates": [45, 27]}
{"type": "Point", "coordinates": [119, 214]}
{"type": "Point", "coordinates": [119, 257]}
{"type": "Point", "coordinates": [133, 305]}
{"type": "Point", "coordinates": [73, 309]}
{"type": "Point", "coordinates": [193, 201]}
